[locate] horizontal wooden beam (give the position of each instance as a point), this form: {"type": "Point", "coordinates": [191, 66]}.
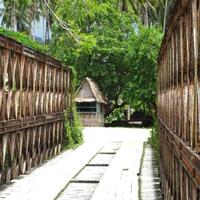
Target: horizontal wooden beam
{"type": "Point", "coordinates": [18, 125]}
{"type": "Point", "coordinates": [189, 159]}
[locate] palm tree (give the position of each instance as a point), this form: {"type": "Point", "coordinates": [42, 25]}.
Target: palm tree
{"type": "Point", "coordinates": [163, 9]}
{"type": "Point", "coordinates": [8, 14]}
{"type": "Point", "coordinates": [149, 11]}
{"type": "Point", "coordinates": [142, 8]}
{"type": "Point", "coordinates": [34, 15]}
{"type": "Point", "coordinates": [14, 15]}
{"type": "Point", "coordinates": [47, 18]}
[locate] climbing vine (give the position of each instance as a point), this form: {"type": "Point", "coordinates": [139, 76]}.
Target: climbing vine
{"type": "Point", "coordinates": [73, 128]}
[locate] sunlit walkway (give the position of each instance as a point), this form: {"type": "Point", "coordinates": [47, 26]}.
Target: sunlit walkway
{"type": "Point", "coordinates": [115, 154]}
{"type": "Point", "coordinates": [149, 180]}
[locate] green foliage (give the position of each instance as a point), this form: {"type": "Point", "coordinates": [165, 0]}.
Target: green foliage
{"type": "Point", "coordinates": [154, 139]}
{"type": "Point", "coordinates": [24, 39]}
{"type": "Point", "coordinates": [73, 125]}
{"type": "Point", "coordinates": [117, 114]}
{"type": "Point", "coordinates": [76, 127]}
{"type": "Point", "coordinates": [73, 128]}
{"type": "Point", "coordinates": [113, 50]}
{"type": "Point", "coordinates": [24, 15]}
{"type": "Point", "coordinates": [142, 59]}
{"type": "Point", "coordinates": [68, 140]}
{"type": "Point", "coordinates": [14, 14]}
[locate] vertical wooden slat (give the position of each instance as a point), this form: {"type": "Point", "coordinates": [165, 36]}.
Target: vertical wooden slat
{"type": "Point", "coordinates": [32, 99]}
{"type": "Point", "coordinates": [5, 57]}
{"type": "Point", "coordinates": [4, 150]}
{"type": "Point", "coordinates": [179, 103]}
{"type": "Point", "coordinates": [195, 41]}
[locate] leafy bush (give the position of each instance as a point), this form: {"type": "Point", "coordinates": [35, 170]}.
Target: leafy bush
{"type": "Point", "coordinates": [68, 140]}
{"type": "Point", "coordinates": [117, 114]}
{"type": "Point", "coordinates": [73, 128]}
{"type": "Point", "coordinates": [76, 127]}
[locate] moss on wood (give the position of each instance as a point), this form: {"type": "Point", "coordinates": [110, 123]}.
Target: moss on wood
{"type": "Point", "coordinates": [25, 40]}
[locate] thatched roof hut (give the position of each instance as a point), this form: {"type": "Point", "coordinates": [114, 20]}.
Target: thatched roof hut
{"type": "Point", "coordinates": [90, 103]}
{"type": "Point", "coordinates": [89, 92]}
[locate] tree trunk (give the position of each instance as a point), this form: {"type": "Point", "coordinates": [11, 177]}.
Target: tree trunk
{"type": "Point", "coordinates": [47, 30]}
{"type": "Point", "coordinates": [13, 18]}
{"type": "Point", "coordinates": [124, 6]}
{"type": "Point", "coordinates": [146, 15]}
{"type": "Point", "coordinates": [43, 36]}
{"type": "Point", "coordinates": [165, 15]}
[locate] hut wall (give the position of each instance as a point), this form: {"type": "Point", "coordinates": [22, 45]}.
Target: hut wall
{"type": "Point", "coordinates": [92, 119]}
{"type": "Point", "coordinates": [34, 91]}
{"type": "Point", "coordinates": [98, 106]}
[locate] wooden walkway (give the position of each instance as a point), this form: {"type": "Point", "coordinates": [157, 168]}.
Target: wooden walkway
{"type": "Point", "coordinates": [109, 175]}
{"type": "Point", "coordinates": [84, 184]}
{"type": "Point", "coordinates": [105, 167]}
{"type": "Point", "coordinates": [149, 180]}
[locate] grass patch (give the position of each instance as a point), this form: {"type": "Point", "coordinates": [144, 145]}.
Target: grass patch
{"type": "Point", "coordinates": [154, 139]}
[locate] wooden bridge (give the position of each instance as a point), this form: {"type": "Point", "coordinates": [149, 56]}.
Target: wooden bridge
{"type": "Point", "coordinates": [32, 101]}
{"type": "Point", "coordinates": [107, 168]}
{"type": "Point", "coordinates": [179, 103]}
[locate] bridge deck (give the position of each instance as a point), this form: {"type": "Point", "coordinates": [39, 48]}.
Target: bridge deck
{"type": "Point", "coordinates": [88, 172]}
{"type": "Point", "coordinates": [149, 179]}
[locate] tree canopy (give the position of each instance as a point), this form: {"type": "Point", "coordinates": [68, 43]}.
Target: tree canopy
{"type": "Point", "coordinates": [116, 44]}
{"type": "Point", "coordinates": [23, 15]}
{"type": "Point", "coordinates": [115, 49]}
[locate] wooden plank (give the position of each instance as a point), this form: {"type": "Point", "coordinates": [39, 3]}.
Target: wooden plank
{"type": "Point", "coordinates": [82, 191]}
{"type": "Point", "coordinates": [28, 89]}
{"type": "Point", "coordinates": [149, 180]}
{"type": "Point", "coordinates": [195, 45]}
{"type": "Point", "coordinates": [90, 173]}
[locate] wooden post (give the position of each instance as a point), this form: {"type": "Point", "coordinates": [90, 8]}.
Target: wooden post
{"type": "Point", "coordinates": [129, 112]}
{"type": "Point", "coordinates": [195, 43]}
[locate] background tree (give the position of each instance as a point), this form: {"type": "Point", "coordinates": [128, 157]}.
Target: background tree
{"type": "Point", "coordinates": [23, 15]}
{"type": "Point", "coordinates": [142, 59]}
{"type": "Point", "coordinates": [108, 38]}
{"type": "Point", "coordinates": [112, 43]}
{"type": "Point", "coordinates": [34, 11]}
{"type": "Point", "coordinates": [14, 15]}
{"type": "Point", "coordinates": [150, 12]}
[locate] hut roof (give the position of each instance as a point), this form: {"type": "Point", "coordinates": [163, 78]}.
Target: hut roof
{"type": "Point", "coordinates": [89, 92]}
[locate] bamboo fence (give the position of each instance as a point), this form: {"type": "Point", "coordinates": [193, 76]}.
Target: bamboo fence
{"type": "Point", "coordinates": [179, 103]}
{"type": "Point", "coordinates": [34, 91]}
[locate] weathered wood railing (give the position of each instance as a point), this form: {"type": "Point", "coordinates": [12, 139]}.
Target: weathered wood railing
{"type": "Point", "coordinates": [179, 103]}
{"type": "Point", "coordinates": [34, 91]}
